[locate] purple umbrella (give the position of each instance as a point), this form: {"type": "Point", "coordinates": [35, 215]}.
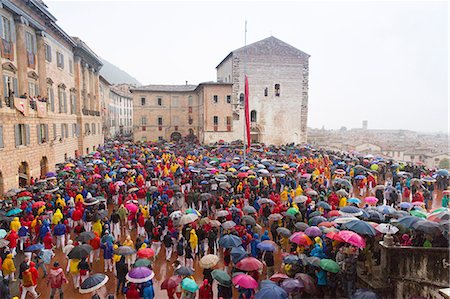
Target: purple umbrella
{"type": "Point", "coordinates": [50, 174]}
{"type": "Point", "coordinates": [313, 232]}
{"type": "Point", "coordinates": [140, 275]}
{"type": "Point", "coordinates": [291, 285]}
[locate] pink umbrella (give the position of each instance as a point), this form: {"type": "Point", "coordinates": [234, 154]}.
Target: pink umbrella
{"type": "Point", "coordinates": [278, 277]}
{"type": "Point", "coordinates": [371, 200]}
{"type": "Point", "coordinates": [352, 238]}
{"type": "Point", "coordinates": [418, 203]}
{"type": "Point", "coordinates": [131, 207]}
{"type": "Point", "coordinates": [300, 238]}
{"type": "Point", "coordinates": [245, 281]}
{"type": "Point", "coordinates": [97, 176]}
{"type": "Point", "coordinates": [249, 264]}
{"type": "Point", "coordinates": [334, 236]}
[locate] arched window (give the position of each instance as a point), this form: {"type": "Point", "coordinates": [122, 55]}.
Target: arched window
{"type": "Point", "coordinates": [253, 116]}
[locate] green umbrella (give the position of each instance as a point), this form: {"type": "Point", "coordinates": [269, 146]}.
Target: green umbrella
{"type": "Point", "coordinates": [222, 277]}
{"type": "Point", "coordinates": [439, 210]}
{"type": "Point", "coordinates": [419, 214]}
{"type": "Point", "coordinates": [292, 211]}
{"type": "Point", "coordinates": [24, 198]}
{"type": "Point", "coordinates": [189, 285]}
{"type": "Point", "coordinates": [142, 263]}
{"type": "Point", "coordinates": [329, 265]}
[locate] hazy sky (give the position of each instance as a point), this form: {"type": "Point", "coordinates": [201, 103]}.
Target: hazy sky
{"type": "Point", "coordinates": [384, 61]}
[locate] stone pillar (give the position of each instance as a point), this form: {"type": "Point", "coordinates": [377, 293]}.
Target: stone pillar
{"type": "Point", "coordinates": [42, 70]}
{"type": "Point", "coordinates": [77, 74]}
{"type": "Point", "coordinates": [22, 60]}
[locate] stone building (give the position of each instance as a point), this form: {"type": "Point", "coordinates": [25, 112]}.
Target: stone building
{"type": "Point", "coordinates": [278, 77]}
{"type": "Point", "coordinates": [49, 108]}
{"type": "Point", "coordinates": [120, 111]}
{"type": "Point", "coordinates": [278, 88]}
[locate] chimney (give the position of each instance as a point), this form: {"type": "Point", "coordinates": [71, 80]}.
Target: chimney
{"type": "Point", "coordinates": [186, 82]}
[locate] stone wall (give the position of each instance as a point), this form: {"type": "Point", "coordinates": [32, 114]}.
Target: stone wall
{"type": "Point", "coordinates": [415, 271]}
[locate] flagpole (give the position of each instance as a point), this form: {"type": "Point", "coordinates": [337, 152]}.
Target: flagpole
{"type": "Point", "coordinates": [245, 74]}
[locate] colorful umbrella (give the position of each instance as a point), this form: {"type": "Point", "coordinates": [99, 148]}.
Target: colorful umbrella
{"type": "Point", "coordinates": [272, 291]}
{"type": "Point", "coordinates": [360, 227]}
{"type": "Point", "coordinates": [329, 265]}
{"type": "Point", "coordinates": [352, 238]}
{"type": "Point", "coordinates": [189, 285]}
{"type": "Point", "coordinates": [245, 281]}
{"type": "Point", "coordinates": [13, 212]}
{"type": "Point", "coordinates": [313, 232]}
{"type": "Point", "coordinates": [371, 200]}
{"type": "Point", "coordinates": [171, 283]}
{"type": "Point", "coordinates": [277, 277]}
{"type": "Point", "coordinates": [146, 253]}
{"type": "Point", "coordinates": [229, 241]}
{"type": "Point", "coordinates": [350, 211]}
{"type": "Point", "coordinates": [131, 207]}
{"type": "Point", "coordinates": [300, 238]}
{"type": "Point", "coordinates": [34, 247]}
{"type": "Point", "coordinates": [221, 277]}
{"type": "Point", "coordinates": [3, 233]}
{"type": "Point", "coordinates": [308, 282]}
{"type": "Point", "coordinates": [140, 275]}
{"type": "Point", "coordinates": [334, 236]}
{"type": "Point", "coordinates": [267, 246]}
{"type": "Point", "coordinates": [142, 263]}
{"type": "Point", "coordinates": [291, 285]}
{"type": "Point", "coordinates": [249, 264]}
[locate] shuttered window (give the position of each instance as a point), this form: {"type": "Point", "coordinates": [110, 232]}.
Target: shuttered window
{"type": "Point", "coordinates": [2, 144]}
{"type": "Point", "coordinates": [22, 134]}
{"type": "Point", "coordinates": [42, 133]}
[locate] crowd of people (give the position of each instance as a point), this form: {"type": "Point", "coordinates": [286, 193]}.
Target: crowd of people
{"type": "Point", "coordinates": [286, 221]}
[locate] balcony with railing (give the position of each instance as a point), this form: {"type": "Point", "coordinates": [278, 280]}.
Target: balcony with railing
{"type": "Point", "coordinates": [88, 112]}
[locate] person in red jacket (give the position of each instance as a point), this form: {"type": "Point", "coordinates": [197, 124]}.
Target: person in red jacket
{"type": "Point", "coordinates": [95, 253]}
{"type": "Point", "coordinates": [12, 238]}
{"type": "Point", "coordinates": [205, 291]}
{"type": "Point", "coordinates": [132, 292]}
{"type": "Point", "coordinates": [48, 241]}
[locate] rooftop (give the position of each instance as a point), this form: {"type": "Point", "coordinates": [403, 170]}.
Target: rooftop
{"type": "Point", "coordinates": [165, 88]}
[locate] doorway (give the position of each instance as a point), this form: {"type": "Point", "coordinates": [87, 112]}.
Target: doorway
{"type": "Point", "coordinates": [44, 166]}
{"type": "Point", "coordinates": [24, 174]}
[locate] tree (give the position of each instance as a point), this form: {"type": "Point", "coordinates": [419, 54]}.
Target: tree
{"type": "Point", "coordinates": [444, 163]}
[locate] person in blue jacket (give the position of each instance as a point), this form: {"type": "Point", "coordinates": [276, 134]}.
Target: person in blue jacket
{"type": "Point", "coordinates": [60, 232]}
{"type": "Point", "coordinates": [45, 228]}
{"type": "Point", "coordinates": [254, 245]}
{"type": "Point", "coordinates": [108, 253]}
{"type": "Point", "coordinates": [148, 291]}
{"type": "Point", "coordinates": [23, 235]}
{"type": "Point", "coordinates": [265, 236]}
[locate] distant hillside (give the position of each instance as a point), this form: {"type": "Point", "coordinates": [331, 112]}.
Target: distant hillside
{"type": "Point", "coordinates": [115, 75]}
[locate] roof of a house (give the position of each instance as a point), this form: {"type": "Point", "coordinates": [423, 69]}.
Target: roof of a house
{"type": "Point", "coordinates": [165, 88]}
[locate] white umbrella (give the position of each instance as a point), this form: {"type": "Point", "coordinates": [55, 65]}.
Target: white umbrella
{"type": "Point", "coordinates": [222, 213]}
{"type": "Point", "coordinates": [300, 199]}
{"type": "Point", "coordinates": [344, 219]}
{"type": "Point", "coordinates": [386, 228]}
{"type": "Point", "coordinates": [188, 218]}
{"type": "Point", "coordinates": [228, 224]}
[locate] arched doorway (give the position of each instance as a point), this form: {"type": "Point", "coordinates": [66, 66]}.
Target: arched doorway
{"type": "Point", "coordinates": [255, 135]}
{"type": "Point", "coordinates": [2, 188]}
{"type": "Point", "coordinates": [24, 174]}
{"type": "Point", "coordinates": [175, 136]}
{"type": "Point", "coordinates": [44, 166]}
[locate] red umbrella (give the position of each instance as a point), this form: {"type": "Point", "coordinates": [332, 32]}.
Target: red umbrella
{"type": "Point", "coordinates": [326, 224]}
{"type": "Point", "coordinates": [333, 213]}
{"type": "Point", "coordinates": [242, 175]}
{"type": "Point", "coordinates": [249, 264]}
{"type": "Point", "coordinates": [334, 236]}
{"type": "Point", "coordinates": [146, 253]}
{"type": "Point", "coordinates": [171, 282]}
{"type": "Point", "coordinates": [300, 238]}
{"type": "Point", "coordinates": [245, 281]}
{"type": "Point", "coordinates": [38, 204]}
{"type": "Point", "coordinates": [308, 282]}
{"type": "Point", "coordinates": [277, 277]}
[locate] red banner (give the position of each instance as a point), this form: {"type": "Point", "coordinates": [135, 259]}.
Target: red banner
{"type": "Point", "coordinates": [247, 115]}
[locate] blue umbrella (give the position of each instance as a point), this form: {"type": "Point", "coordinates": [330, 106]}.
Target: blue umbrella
{"type": "Point", "coordinates": [34, 247]}
{"type": "Point", "coordinates": [13, 212]}
{"type": "Point", "coordinates": [360, 227]}
{"type": "Point", "coordinates": [364, 294]}
{"type": "Point", "coordinates": [443, 172]}
{"type": "Point", "coordinates": [314, 221]}
{"type": "Point", "coordinates": [314, 214]}
{"type": "Point", "coordinates": [405, 205]}
{"type": "Point", "coordinates": [350, 211]}
{"type": "Point", "coordinates": [237, 254]}
{"type": "Point", "coordinates": [407, 221]}
{"type": "Point", "coordinates": [374, 215]}
{"type": "Point", "coordinates": [323, 205]}
{"type": "Point", "coordinates": [386, 209]}
{"type": "Point", "coordinates": [266, 282]}
{"type": "Point", "coordinates": [291, 259]}
{"type": "Point", "coordinates": [266, 246]}
{"type": "Point", "coordinates": [229, 241]}
{"type": "Point", "coordinates": [354, 200]}
{"type": "Point", "coordinates": [360, 177]}
{"type": "Point", "coordinates": [271, 291]}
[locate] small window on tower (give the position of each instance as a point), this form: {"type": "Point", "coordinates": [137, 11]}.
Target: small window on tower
{"type": "Point", "coordinates": [215, 99]}
{"type": "Point", "coordinates": [277, 90]}
{"type": "Point", "coordinates": [266, 92]}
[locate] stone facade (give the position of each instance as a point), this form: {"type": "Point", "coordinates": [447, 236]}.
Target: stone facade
{"type": "Point", "coordinates": [120, 111]}
{"type": "Point", "coordinates": [278, 76]}
{"type": "Point", "coordinates": [39, 60]}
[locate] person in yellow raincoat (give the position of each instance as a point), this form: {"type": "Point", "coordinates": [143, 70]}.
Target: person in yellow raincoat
{"type": "Point", "coordinates": [97, 227]}
{"type": "Point", "coordinates": [15, 224]}
{"type": "Point", "coordinates": [129, 258]}
{"type": "Point", "coordinates": [193, 240]}
{"type": "Point", "coordinates": [299, 190]}
{"type": "Point", "coordinates": [8, 267]}
{"type": "Point", "coordinates": [41, 210]}
{"type": "Point", "coordinates": [343, 202]}
{"type": "Point", "coordinates": [73, 269]}
{"type": "Point", "coordinates": [284, 195]}
{"type": "Point", "coordinates": [56, 218]}
{"type": "Point", "coordinates": [284, 243]}
{"type": "Point", "coordinates": [145, 212]}
{"type": "Point", "coordinates": [116, 258]}
{"type": "Point", "coordinates": [78, 198]}
{"type": "Point", "coordinates": [318, 241]}
{"type": "Point", "coordinates": [239, 188]}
